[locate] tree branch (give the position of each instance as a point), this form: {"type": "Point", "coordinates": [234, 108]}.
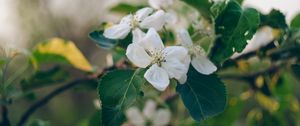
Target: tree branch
{"type": "Point", "coordinates": [5, 119]}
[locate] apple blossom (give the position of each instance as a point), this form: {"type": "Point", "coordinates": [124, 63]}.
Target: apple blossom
{"type": "Point", "coordinates": [144, 18]}
{"type": "Point", "coordinates": [164, 62]}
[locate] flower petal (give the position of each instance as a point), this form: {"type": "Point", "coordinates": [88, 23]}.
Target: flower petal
{"type": "Point", "coordinates": [149, 109]}
{"type": "Point", "coordinates": [119, 31]}
{"type": "Point", "coordinates": [203, 65]}
{"type": "Point", "coordinates": [135, 117]}
{"type": "Point", "coordinates": [152, 41]}
{"type": "Point", "coordinates": [143, 13]}
{"type": "Point", "coordinates": [162, 117]}
{"type": "Point", "coordinates": [175, 52]}
{"type": "Point", "coordinates": [127, 19]}
{"type": "Point", "coordinates": [156, 21]}
{"type": "Point", "coordinates": [184, 37]}
{"type": "Point", "coordinates": [183, 79]}
{"type": "Point", "coordinates": [137, 35]}
{"type": "Point", "coordinates": [175, 68]}
{"type": "Point", "coordinates": [157, 77]}
{"type": "Point", "coordinates": [137, 55]}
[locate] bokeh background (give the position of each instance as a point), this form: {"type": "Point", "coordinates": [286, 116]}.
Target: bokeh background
{"type": "Point", "coordinates": [23, 23]}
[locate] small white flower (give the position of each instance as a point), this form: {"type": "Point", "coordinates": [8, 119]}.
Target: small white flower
{"type": "Point", "coordinates": [165, 62]}
{"type": "Point", "coordinates": [199, 59]}
{"type": "Point", "coordinates": [143, 18]}
{"type": "Point", "coordinates": [160, 4]}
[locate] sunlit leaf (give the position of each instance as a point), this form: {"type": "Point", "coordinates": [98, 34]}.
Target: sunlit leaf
{"type": "Point", "coordinates": [61, 51]}
{"type": "Point", "coordinates": [296, 22]}
{"type": "Point", "coordinates": [203, 95]}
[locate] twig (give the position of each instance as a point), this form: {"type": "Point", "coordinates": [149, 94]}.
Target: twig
{"type": "Point", "coordinates": [5, 119]}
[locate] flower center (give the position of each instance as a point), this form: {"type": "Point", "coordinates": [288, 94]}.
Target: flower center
{"type": "Point", "coordinates": [158, 56]}
{"type": "Point", "coordinates": [194, 50]}
{"type": "Point", "coordinates": [135, 22]}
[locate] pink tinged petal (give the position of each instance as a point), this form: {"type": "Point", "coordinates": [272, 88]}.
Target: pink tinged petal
{"type": "Point", "coordinates": [203, 65]}
{"type": "Point", "coordinates": [119, 31]}
{"type": "Point", "coordinates": [137, 55]}
{"type": "Point", "coordinates": [157, 77]}
{"type": "Point", "coordinates": [183, 79]}
{"type": "Point", "coordinates": [175, 68]}
{"type": "Point", "coordinates": [156, 21]}
{"type": "Point", "coordinates": [152, 41]}
{"type": "Point", "coordinates": [143, 13]}
{"type": "Point", "coordinates": [184, 37]}
{"type": "Point", "coordinates": [135, 117]}
{"type": "Point", "coordinates": [137, 35]}
{"type": "Point", "coordinates": [176, 52]}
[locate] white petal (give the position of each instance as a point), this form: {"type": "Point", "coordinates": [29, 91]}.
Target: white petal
{"type": "Point", "coordinates": [127, 19]}
{"type": "Point", "coordinates": [152, 41]}
{"type": "Point", "coordinates": [162, 117]}
{"type": "Point", "coordinates": [175, 68]}
{"type": "Point", "coordinates": [137, 35]}
{"type": "Point", "coordinates": [137, 55]}
{"type": "Point", "coordinates": [176, 52]}
{"type": "Point", "coordinates": [135, 117]}
{"type": "Point", "coordinates": [184, 37]}
{"type": "Point", "coordinates": [143, 13]}
{"type": "Point", "coordinates": [156, 21]}
{"type": "Point", "coordinates": [149, 109]}
{"type": "Point", "coordinates": [183, 79]}
{"type": "Point", "coordinates": [160, 4]}
{"type": "Point", "coordinates": [203, 65]}
{"type": "Point", "coordinates": [171, 18]}
{"type": "Point", "coordinates": [158, 77]}
{"type": "Point", "coordinates": [119, 31]}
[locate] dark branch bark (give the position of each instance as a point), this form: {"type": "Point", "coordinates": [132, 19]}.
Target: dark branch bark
{"type": "Point", "coordinates": [5, 119]}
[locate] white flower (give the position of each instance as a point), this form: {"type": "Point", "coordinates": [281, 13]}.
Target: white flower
{"type": "Point", "coordinates": [165, 62]}
{"type": "Point", "coordinates": [160, 117]}
{"type": "Point", "coordinates": [199, 59]}
{"type": "Point", "coordinates": [160, 4]}
{"type": "Point", "coordinates": [143, 18]}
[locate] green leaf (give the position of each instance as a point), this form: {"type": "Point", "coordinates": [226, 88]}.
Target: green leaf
{"type": "Point", "coordinates": [296, 70]}
{"type": "Point", "coordinates": [96, 119]}
{"type": "Point", "coordinates": [274, 19]}
{"type": "Point", "coordinates": [125, 8]}
{"type": "Point", "coordinates": [101, 41]}
{"type": "Point", "coordinates": [118, 90]}
{"type": "Point", "coordinates": [203, 6]}
{"type": "Point", "coordinates": [38, 122]}
{"type": "Point", "coordinates": [296, 22]}
{"type": "Point", "coordinates": [234, 26]}
{"type": "Point", "coordinates": [45, 78]}
{"type": "Point", "coordinates": [203, 95]}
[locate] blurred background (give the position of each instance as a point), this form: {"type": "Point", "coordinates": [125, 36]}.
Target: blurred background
{"type": "Point", "coordinates": [23, 23]}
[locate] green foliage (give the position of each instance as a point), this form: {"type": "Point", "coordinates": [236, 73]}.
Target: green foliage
{"type": "Point", "coordinates": [234, 26]}
{"type": "Point", "coordinates": [101, 41]}
{"type": "Point", "coordinates": [125, 8]}
{"type": "Point", "coordinates": [96, 119]}
{"type": "Point", "coordinates": [274, 19]}
{"type": "Point", "coordinates": [203, 6]}
{"type": "Point", "coordinates": [38, 122]}
{"type": "Point", "coordinates": [203, 95]}
{"type": "Point", "coordinates": [118, 90]}
{"type": "Point", "coordinates": [296, 70]}
{"type": "Point", "coordinates": [45, 78]}
{"type": "Point", "coordinates": [296, 22]}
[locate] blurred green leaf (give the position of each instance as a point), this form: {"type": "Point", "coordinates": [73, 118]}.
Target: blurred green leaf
{"type": "Point", "coordinates": [45, 78]}
{"type": "Point", "coordinates": [118, 90]}
{"type": "Point", "coordinates": [125, 8]}
{"type": "Point", "coordinates": [203, 6]}
{"type": "Point", "coordinates": [296, 22]}
{"type": "Point", "coordinates": [203, 95]}
{"type": "Point", "coordinates": [235, 26]}
{"type": "Point", "coordinates": [274, 19]}
{"type": "Point", "coordinates": [101, 41]}
{"type": "Point", "coordinates": [38, 122]}
{"type": "Point", "coordinates": [96, 119]}
{"type": "Point", "coordinates": [296, 70]}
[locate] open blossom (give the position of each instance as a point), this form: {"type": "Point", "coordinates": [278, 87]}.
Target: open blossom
{"type": "Point", "coordinates": [199, 59]}
{"type": "Point", "coordinates": [164, 62]}
{"type": "Point", "coordinates": [143, 18]}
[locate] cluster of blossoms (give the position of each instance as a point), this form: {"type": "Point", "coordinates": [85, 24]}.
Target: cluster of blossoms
{"type": "Point", "coordinates": [147, 50]}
